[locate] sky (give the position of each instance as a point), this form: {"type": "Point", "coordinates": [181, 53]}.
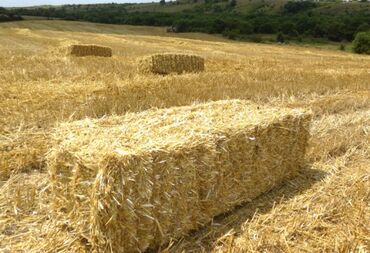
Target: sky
{"type": "Point", "coordinates": [24, 3]}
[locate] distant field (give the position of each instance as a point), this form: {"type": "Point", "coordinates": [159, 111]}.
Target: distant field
{"type": "Point", "coordinates": [325, 209]}
{"type": "Point", "coordinates": [43, 25]}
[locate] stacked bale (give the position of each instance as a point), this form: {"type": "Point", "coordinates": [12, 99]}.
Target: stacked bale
{"type": "Point", "coordinates": [90, 50]}
{"type": "Point", "coordinates": [134, 182]}
{"type": "Point", "coordinates": [171, 63]}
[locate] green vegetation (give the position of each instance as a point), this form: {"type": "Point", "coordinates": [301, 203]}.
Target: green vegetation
{"type": "Point", "coordinates": [235, 19]}
{"type": "Point", "coordinates": [280, 38]}
{"type": "Point", "coordinates": [6, 15]}
{"type": "Point", "coordinates": [361, 44]}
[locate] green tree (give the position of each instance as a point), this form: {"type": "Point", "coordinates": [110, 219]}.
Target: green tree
{"type": "Point", "coordinates": [232, 34]}
{"type": "Point", "coordinates": [266, 28]}
{"type": "Point", "coordinates": [162, 2]}
{"type": "Point", "coordinates": [182, 26]}
{"type": "Point", "coordinates": [361, 43]}
{"type": "Point", "coordinates": [288, 28]}
{"type": "Point", "coordinates": [232, 3]}
{"type": "Point", "coordinates": [319, 31]}
{"type": "Point", "coordinates": [363, 27]}
{"type": "Point", "coordinates": [297, 6]}
{"type": "Point", "coordinates": [336, 31]}
{"type": "Point", "coordinates": [245, 28]}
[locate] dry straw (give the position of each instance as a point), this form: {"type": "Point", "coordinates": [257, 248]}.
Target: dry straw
{"type": "Point", "coordinates": [171, 63]}
{"type": "Point", "coordinates": [90, 50]}
{"type": "Point", "coordinates": [134, 182]}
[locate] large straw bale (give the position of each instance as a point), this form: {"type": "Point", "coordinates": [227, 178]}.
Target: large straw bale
{"type": "Point", "coordinates": [90, 50]}
{"type": "Point", "coordinates": [171, 63]}
{"type": "Point", "coordinates": [134, 182]}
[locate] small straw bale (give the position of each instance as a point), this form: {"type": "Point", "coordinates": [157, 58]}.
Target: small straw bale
{"type": "Point", "coordinates": [171, 63]}
{"type": "Point", "coordinates": [134, 182]}
{"type": "Point", "coordinates": [90, 50]}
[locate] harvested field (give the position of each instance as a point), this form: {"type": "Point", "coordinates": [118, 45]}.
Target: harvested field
{"type": "Point", "coordinates": [324, 209]}
{"type": "Point", "coordinates": [175, 169]}
{"type": "Point", "coordinates": [171, 63]}
{"type": "Point", "coordinates": [90, 50]}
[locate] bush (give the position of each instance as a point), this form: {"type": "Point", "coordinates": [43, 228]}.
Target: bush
{"type": "Point", "coordinates": [245, 28]}
{"type": "Point", "coordinates": [266, 28]}
{"type": "Point", "coordinates": [4, 18]}
{"type": "Point", "coordinates": [182, 26]}
{"type": "Point", "coordinates": [365, 27]}
{"type": "Point", "coordinates": [342, 47]}
{"type": "Point", "coordinates": [232, 3]}
{"type": "Point", "coordinates": [280, 38]}
{"type": "Point", "coordinates": [288, 28]}
{"type": "Point", "coordinates": [336, 31]}
{"type": "Point", "coordinates": [256, 39]}
{"type": "Point", "coordinates": [361, 44]}
{"type": "Point", "coordinates": [294, 7]}
{"type": "Point", "coordinates": [231, 34]}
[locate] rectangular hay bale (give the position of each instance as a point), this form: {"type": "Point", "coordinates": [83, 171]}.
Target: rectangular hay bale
{"type": "Point", "coordinates": [133, 182]}
{"type": "Point", "coordinates": [90, 50]}
{"type": "Point", "coordinates": [171, 63]}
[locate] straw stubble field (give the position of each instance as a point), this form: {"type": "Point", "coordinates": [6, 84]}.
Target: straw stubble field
{"type": "Point", "coordinates": [324, 209]}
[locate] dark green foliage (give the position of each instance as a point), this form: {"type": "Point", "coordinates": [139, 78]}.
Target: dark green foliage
{"type": "Point", "coordinates": [365, 27]}
{"type": "Point", "coordinates": [319, 31]}
{"type": "Point", "coordinates": [289, 28]}
{"type": "Point", "coordinates": [336, 31]}
{"type": "Point", "coordinates": [256, 39]}
{"type": "Point", "coordinates": [232, 3]}
{"type": "Point", "coordinates": [231, 34]}
{"type": "Point", "coordinates": [267, 28]}
{"type": "Point", "coordinates": [6, 15]}
{"type": "Point", "coordinates": [245, 28]}
{"type": "Point", "coordinates": [342, 47]}
{"type": "Point", "coordinates": [361, 44]}
{"type": "Point", "coordinates": [280, 38]}
{"type": "Point", "coordinates": [294, 7]}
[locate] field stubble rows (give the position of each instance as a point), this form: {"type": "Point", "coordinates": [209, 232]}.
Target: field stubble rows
{"type": "Point", "coordinates": [324, 209]}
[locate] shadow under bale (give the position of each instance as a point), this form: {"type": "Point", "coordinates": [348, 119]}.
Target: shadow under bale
{"type": "Point", "coordinates": [227, 226]}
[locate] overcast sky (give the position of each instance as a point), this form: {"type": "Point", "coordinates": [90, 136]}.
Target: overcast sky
{"type": "Point", "coordinates": [20, 3]}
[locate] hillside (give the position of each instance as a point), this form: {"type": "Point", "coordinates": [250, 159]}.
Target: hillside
{"type": "Point", "coordinates": [251, 20]}
{"type": "Point", "coordinates": [324, 209]}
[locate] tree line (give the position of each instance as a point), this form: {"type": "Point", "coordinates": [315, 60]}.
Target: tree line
{"type": "Point", "coordinates": [6, 16]}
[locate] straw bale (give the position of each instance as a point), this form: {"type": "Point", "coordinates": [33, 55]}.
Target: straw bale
{"type": "Point", "coordinates": [90, 50]}
{"type": "Point", "coordinates": [133, 182]}
{"type": "Point", "coordinates": [171, 63]}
